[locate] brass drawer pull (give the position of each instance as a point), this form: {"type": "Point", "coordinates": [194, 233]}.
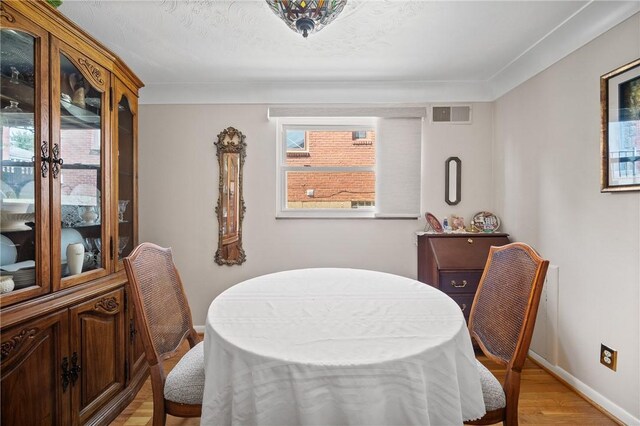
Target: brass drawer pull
{"type": "Point", "coordinates": [456, 285]}
{"type": "Point", "coordinates": [463, 307]}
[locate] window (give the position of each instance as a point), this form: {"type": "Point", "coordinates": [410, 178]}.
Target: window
{"type": "Point", "coordinates": [296, 140]}
{"type": "Point", "coordinates": [348, 161]}
{"type": "Point", "coordinates": [359, 134]}
{"type": "Point", "coordinates": [334, 177]}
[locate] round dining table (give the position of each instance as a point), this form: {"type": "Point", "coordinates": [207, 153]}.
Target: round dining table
{"type": "Point", "coordinates": [333, 346]}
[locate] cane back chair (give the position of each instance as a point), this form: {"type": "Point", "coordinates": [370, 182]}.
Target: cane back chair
{"type": "Point", "coordinates": [164, 322]}
{"type": "Point", "coordinates": [501, 321]}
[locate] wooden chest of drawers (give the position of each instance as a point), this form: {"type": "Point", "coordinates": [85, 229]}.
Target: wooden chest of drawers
{"type": "Point", "coordinates": [454, 263]}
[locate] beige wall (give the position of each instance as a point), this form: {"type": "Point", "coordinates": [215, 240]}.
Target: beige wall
{"type": "Point", "coordinates": [547, 192]}
{"type": "Point", "coordinates": [472, 144]}
{"type": "Point", "coordinates": [532, 157]}
{"type": "Point", "coordinates": [179, 188]}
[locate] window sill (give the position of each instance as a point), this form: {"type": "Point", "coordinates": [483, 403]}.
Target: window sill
{"type": "Point", "coordinates": [341, 215]}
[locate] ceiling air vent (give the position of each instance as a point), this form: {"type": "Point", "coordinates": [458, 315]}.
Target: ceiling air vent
{"type": "Point", "coordinates": [459, 114]}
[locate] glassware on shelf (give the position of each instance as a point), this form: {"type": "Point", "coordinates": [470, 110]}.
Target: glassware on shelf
{"type": "Point", "coordinates": [90, 260]}
{"type": "Point", "coordinates": [13, 107]}
{"type": "Point", "coordinates": [122, 243]}
{"type": "Point", "coordinates": [88, 244]}
{"type": "Point", "coordinates": [15, 76]}
{"type": "Point", "coordinates": [97, 242]}
{"type": "Point", "coordinates": [88, 214]}
{"type": "Point", "coordinates": [122, 207]}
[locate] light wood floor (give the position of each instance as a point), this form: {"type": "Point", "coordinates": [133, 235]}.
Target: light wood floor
{"type": "Point", "coordinates": [543, 400]}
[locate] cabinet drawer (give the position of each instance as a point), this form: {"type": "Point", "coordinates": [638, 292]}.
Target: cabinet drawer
{"type": "Point", "coordinates": [459, 282]}
{"type": "Point", "coordinates": [466, 252]}
{"type": "Point", "coordinates": [464, 301]}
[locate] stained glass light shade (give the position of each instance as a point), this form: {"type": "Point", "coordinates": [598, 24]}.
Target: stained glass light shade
{"type": "Point", "coordinates": [307, 16]}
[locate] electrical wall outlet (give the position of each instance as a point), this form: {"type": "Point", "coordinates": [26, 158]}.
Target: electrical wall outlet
{"type": "Point", "coordinates": [608, 357]}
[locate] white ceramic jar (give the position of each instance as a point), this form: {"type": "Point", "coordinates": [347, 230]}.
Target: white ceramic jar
{"type": "Point", "coordinates": [75, 258]}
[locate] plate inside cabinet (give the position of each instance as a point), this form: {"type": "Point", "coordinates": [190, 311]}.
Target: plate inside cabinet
{"type": "Point", "coordinates": [7, 250]}
{"type": "Point", "coordinates": [486, 222]}
{"type": "Point", "coordinates": [80, 113]}
{"type": "Point", "coordinates": [433, 222]}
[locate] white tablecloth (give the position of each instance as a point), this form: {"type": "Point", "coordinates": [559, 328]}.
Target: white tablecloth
{"type": "Point", "coordinates": [338, 347]}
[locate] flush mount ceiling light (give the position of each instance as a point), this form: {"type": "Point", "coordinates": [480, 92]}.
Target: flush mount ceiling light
{"type": "Point", "coordinates": [307, 16]}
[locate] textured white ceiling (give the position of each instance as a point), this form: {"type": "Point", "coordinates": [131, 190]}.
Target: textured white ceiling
{"type": "Point", "coordinates": [169, 42]}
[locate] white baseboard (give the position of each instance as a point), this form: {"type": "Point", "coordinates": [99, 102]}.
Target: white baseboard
{"type": "Point", "coordinates": [199, 329]}
{"type": "Point", "coordinates": [614, 410]}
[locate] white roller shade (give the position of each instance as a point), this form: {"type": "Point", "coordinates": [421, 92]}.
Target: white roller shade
{"type": "Point", "coordinates": [398, 155]}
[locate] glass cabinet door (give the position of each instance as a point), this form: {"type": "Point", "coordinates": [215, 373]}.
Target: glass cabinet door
{"type": "Point", "coordinates": [25, 171]}
{"type": "Point", "coordinates": [80, 111]}
{"type": "Point", "coordinates": [124, 152]}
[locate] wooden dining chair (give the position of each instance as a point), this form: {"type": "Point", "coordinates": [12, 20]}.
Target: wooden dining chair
{"type": "Point", "coordinates": [164, 322]}
{"type": "Point", "coordinates": [501, 321]}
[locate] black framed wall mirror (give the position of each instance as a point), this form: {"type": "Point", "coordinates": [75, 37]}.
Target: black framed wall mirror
{"type": "Point", "coordinates": [452, 180]}
{"type": "Point", "coordinates": [231, 152]}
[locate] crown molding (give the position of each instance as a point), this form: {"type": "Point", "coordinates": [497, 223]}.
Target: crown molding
{"type": "Point", "coordinates": [362, 92]}
{"type": "Point", "coordinates": [592, 20]}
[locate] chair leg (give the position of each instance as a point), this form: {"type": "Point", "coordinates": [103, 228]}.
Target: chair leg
{"type": "Point", "coordinates": [513, 395]}
{"type": "Point", "coordinates": [511, 418]}
{"type": "Point", "coordinates": [157, 388]}
{"type": "Point", "coordinates": [159, 417]}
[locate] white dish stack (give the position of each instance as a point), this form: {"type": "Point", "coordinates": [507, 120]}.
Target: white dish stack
{"type": "Point", "coordinates": [24, 273]}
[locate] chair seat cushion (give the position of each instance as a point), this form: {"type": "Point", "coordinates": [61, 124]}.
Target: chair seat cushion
{"type": "Point", "coordinates": [185, 382]}
{"type": "Point", "coordinates": [492, 391]}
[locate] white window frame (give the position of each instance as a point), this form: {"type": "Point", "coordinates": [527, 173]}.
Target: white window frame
{"type": "Point", "coordinates": [311, 124]}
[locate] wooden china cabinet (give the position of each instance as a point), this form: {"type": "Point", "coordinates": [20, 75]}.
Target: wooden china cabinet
{"type": "Point", "coordinates": [68, 205]}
